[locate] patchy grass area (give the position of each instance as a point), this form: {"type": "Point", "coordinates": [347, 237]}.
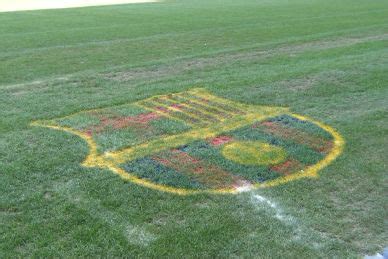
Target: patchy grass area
{"type": "Point", "coordinates": [323, 59]}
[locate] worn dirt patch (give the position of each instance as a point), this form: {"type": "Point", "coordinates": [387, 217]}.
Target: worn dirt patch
{"type": "Point", "coordinates": [182, 66]}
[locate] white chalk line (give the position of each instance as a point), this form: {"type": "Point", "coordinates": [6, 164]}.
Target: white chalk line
{"type": "Point", "coordinates": [301, 234]}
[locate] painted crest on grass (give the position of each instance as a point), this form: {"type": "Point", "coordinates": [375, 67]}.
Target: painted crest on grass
{"type": "Point", "coordinates": [194, 142]}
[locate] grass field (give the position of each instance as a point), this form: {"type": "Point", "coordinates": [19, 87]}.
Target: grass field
{"type": "Point", "coordinates": [324, 59]}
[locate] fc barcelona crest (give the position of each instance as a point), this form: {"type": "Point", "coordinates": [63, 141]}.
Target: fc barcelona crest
{"type": "Point", "coordinates": [192, 142]}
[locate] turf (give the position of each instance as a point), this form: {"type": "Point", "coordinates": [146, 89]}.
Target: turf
{"type": "Point", "coordinates": [324, 59]}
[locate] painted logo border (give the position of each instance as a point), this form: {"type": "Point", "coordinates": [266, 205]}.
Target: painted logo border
{"type": "Point", "coordinates": [95, 160]}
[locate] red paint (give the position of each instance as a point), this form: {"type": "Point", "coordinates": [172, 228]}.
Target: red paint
{"type": "Point", "coordinates": [287, 167]}
{"type": "Point", "coordinates": [146, 117]}
{"type": "Point", "coordinates": [299, 136]}
{"type": "Point", "coordinates": [140, 120]}
{"type": "Point", "coordinates": [162, 109]}
{"type": "Point", "coordinates": [123, 122]}
{"type": "Point", "coordinates": [326, 147]}
{"type": "Point", "coordinates": [176, 106]}
{"type": "Point", "coordinates": [282, 167]}
{"type": "Point", "coordinates": [202, 171]}
{"type": "Point", "coordinates": [241, 183]}
{"type": "Point", "coordinates": [162, 160]}
{"type": "Point", "coordinates": [268, 124]}
{"type": "Point", "coordinates": [220, 140]}
{"type": "Point", "coordinates": [199, 170]}
{"type": "Point", "coordinates": [184, 157]}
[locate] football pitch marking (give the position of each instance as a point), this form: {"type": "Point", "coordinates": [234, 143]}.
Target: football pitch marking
{"type": "Point", "coordinates": [209, 118]}
{"type": "Point", "coordinates": [26, 5]}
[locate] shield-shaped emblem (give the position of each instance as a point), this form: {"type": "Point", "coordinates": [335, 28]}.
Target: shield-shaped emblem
{"type": "Point", "coordinates": [194, 142]}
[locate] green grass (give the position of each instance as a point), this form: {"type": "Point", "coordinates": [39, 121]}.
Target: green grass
{"type": "Point", "coordinates": [324, 59]}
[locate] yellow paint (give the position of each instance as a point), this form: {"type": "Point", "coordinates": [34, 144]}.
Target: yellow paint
{"type": "Point", "coordinates": [171, 109]}
{"type": "Point", "coordinates": [312, 171]}
{"type": "Point", "coordinates": [112, 160]}
{"type": "Point", "coordinates": [254, 153]}
{"type": "Point", "coordinates": [183, 138]}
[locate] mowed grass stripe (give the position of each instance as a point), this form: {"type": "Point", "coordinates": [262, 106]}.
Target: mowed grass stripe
{"type": "Point", "coordinates": [135, 52]}
{"type": "Point", "coordinates": [270, 49]}
{"type": "Point", "coordinates": [73, 15]}
{"type": "Point", "coordinates": [116, 39]}
{"type": "Point", "coordinates": [103, 38]}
